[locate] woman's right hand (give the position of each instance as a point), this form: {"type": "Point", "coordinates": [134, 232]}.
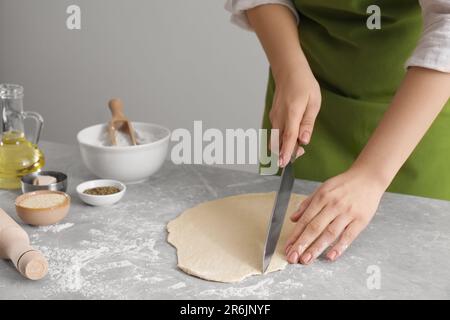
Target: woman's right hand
{"type": "Point", "coordinates": [297, 95]}
{"type": "Point", "coordinates": [294, 110]}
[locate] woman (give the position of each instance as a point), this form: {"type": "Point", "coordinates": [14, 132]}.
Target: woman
{"type": "Point", "coordinates": [381, 126]}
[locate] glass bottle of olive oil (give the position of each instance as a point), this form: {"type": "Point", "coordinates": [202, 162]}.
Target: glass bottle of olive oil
{"type": "Point", "coordinates": [18, 155]}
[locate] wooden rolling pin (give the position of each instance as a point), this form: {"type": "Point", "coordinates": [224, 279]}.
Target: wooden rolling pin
{"type": "Point", "coordinates": [15, 246]}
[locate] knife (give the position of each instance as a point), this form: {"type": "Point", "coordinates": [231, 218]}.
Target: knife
{"type": "Point", "coordinates": [278, 213]}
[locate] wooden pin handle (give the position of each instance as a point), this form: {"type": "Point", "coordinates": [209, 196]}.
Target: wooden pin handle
{"type": "Point", "coordinates": [15, 246]}
{"type": "Point", "coordinates": [32, 265]}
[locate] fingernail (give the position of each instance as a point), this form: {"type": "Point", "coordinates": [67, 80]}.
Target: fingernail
{"type": "Point", "coordinates": [280, 161]}
{"type": "Point", "coordinates": [307, 258]}
{"type": "Point", "coordinates": [288, 249]}
{"type": "Point", "coordinates": [305, 137]}
{"type": "Point", "coordinates": [300, 152]}
{"type": "Point", "coordinates": [293, 258]}
{"type": "Point", "coordinates": [332, 255]}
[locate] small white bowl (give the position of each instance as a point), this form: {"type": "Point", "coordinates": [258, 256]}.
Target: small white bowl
{"type": "Point", "coordinates": [105, 200]}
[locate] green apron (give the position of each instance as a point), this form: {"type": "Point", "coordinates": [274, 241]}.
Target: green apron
{"type": "Point", "coordinates": [359, 71]}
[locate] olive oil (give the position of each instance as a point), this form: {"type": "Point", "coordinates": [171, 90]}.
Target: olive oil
{"type": "Point", "coordinates": [18, 157]}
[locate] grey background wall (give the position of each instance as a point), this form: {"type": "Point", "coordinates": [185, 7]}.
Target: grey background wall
{"type": "Point", "coordinates": [172, 62]}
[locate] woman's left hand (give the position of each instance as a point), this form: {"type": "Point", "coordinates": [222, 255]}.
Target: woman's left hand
{"type": "Point", "coordinates": [334, 215]}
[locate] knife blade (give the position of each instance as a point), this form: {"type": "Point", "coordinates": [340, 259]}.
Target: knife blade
{"type": "Point", "coordinates": [278, 213]}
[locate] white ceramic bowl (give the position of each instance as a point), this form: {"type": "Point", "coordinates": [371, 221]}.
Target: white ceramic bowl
{"type": "Point", "coordinates": [105, 200]}
{"type": "Point", "coordinates": [129, 164]}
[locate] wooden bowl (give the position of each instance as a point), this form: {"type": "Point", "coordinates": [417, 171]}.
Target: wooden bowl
{"type": "Point", "coordinates": [42, 216]}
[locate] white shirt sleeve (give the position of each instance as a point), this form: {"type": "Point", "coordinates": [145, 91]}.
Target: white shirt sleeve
{"type": "Point", "coordinates": [238, 8]}
{"type": "Point", "coordinates": [433, 49]}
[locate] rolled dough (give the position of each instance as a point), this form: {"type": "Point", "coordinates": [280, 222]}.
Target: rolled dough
{"type": "Point", "coordinates": [222, 240]}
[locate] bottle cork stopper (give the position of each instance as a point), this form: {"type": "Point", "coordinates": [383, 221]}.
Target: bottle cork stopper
{"type": "Point", "coordinates": [33, 265]}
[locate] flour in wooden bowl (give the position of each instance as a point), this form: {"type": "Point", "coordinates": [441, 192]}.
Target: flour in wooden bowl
{"type": "Point", "coordinates": [42, 201]}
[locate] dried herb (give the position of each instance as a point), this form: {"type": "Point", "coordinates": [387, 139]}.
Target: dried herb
{"type": "Point", "coordinates": [102, 191]}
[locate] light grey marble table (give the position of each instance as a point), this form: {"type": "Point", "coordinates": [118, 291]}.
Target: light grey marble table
{"type": "Point", "coordinates": [121, 252]}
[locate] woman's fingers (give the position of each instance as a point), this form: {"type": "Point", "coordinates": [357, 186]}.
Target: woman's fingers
{"type": "Point", "coordinates": [300, 152]}
{"type": "Point", "coordinates": [313, 208]}
{"type": "Point", "coordinates": [289, 121]}
{"type": "Point", "coordinates": [294, 218]}
{"type": "Point", "coordinates": [276, 122]}
{"type": "Point", "coordinates": [308, 120]}
{"type": "Point", "coordinates": [328, 237]}
{"type": "Point", "coordinates": [350, 233]}
{"type": "Point", "coordinates": [305, 203]}
{"type": "Point", "coordinates": [311, 232]}
{"type": "Point", "coordinates": [289, 141]}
